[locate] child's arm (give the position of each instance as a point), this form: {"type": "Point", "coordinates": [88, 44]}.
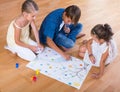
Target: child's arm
{"type": "Point", "coordinates": [51, 43]}
{"type": "Point", "coordinates": [102, 65]}
{"type": "Point", "coordinates": [19, 42]}
{"type": "Point", "coordinates": [72, 33]}
{"type": "Point", "coordinates": [36, 33]}
{"type": "Point", "coordinates": [89, 42]}
{"type": "Point", "coordinates": [92, 58]}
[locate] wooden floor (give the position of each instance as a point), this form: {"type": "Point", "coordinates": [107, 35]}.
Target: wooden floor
{"type": "Point", "coordinates": [93, 12]}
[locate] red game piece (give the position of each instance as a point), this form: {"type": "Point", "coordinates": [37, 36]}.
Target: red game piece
{"type": "Point", "coordinates": [34, 78]}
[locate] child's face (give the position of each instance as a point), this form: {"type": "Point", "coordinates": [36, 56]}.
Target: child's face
{"type": "Point", "coordinates": [100, 41]}
{"type": "Point", "coordinates": [67, 20]}
{"type": "Point", "coordinates": [31, 16]}
{"type": "Point", "coordinates": [94, 37]}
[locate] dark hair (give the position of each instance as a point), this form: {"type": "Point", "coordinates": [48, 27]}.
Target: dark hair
{"type": "Point", "coordinates": [29, 6]}
{"type": "Point", "coordinates": [74, 13]}
{"type": "Point", "coordinates": [102, 32]}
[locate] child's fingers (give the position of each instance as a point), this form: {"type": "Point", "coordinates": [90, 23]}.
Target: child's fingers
{"type": "Point", "coordinates": [92, 58]}
{"type": "Point", "coordinates": [68, 58]}
{"type": "Point", "coordinates": [94, 75]}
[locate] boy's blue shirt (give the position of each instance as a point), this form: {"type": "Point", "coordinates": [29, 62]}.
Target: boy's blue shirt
{"type": "Point", "coordinates": [50, 26]}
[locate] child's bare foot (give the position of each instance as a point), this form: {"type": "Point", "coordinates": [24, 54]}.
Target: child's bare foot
{"type": "Point", "coordinates": [84, 41]}
{"type": "Point", "coordinates": [80, 35]}
{"type": "Point", "coordinates": [96, 75]}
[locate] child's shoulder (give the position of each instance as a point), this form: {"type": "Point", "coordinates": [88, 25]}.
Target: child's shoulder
{"type": "Point", "coordinates": [17, 23]}
{"type": "Point", "coordinates": [20, 23]}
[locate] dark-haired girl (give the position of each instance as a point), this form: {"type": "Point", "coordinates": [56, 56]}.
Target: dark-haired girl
{"type": "Point", "coordinates": [100, 50]}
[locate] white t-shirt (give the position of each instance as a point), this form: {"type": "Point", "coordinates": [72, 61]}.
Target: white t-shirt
{"type": "Point", "coordinates": [99, 49]}
{"type": "Point", "coordinates": [61, 25]}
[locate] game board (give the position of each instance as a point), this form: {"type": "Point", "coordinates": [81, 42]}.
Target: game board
{"type": "Point", "coordinates": [50, 63]}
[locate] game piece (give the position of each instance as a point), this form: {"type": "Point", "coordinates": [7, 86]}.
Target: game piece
{"type": "Point", "coordinates": [37, 72]}
{"type": "Point", "coordinates": [34, 78]}
{"type": "Point", "coordinates": [17, 65]}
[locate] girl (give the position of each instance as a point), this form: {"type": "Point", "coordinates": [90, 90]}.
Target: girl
{"type": "Point", "coordinates": [100, 50]}
{"type": "Point", "coordinates": [18, 39]}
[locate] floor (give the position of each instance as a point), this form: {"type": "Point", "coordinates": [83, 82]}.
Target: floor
{"type": "Point", "coordinates": [93, 12]}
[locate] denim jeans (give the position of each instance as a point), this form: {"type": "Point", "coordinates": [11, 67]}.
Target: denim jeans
{"type": "Point", "coordinates": [62, 40]}
{"type": "Point", "coordinates": [68, 40]}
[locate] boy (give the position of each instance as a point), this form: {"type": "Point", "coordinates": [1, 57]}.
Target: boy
{"type": "Point", "coordinates": [60, 29]}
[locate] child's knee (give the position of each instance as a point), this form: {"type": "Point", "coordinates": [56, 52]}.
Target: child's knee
{"type": "Point", "coordinates": [69, 44]}
{"type": "Point", "coordinates": [29, 57]}
{"type": "Point", "coordinates": [81, 55]}
{"type": "Point", "coordinates": [82, 48]}
{"type": "Point", "coordinates": [26, 54]}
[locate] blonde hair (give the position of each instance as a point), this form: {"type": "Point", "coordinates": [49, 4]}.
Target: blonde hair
{"type": "Point", "coordinates": [29, 6]}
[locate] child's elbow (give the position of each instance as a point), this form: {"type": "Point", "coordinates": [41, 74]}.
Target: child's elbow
{"type": "Point", "coordinates": [17, 42]}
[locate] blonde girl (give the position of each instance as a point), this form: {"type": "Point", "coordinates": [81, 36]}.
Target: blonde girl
{"type": "Point", "coordinates": [18, 39]}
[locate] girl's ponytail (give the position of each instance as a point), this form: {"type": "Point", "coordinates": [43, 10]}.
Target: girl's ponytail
{"type": "Point", "coordinates": [108, 30]}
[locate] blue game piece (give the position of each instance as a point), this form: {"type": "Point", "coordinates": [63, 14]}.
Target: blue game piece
{"type": "Point", "coordinates": [17, 65]}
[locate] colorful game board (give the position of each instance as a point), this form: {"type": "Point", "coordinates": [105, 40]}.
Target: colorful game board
{"type": "Point", "coordinates": [50, 63]}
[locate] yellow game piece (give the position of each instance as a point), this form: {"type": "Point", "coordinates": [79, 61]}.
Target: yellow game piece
{"type": "Point", "coordinates": [37, 72]}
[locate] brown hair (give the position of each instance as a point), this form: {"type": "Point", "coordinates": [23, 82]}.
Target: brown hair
{"type": "Point", "coordinates": [74, 13]}
{"type": "Point", "coordinates": [102, 32]}
{"type": "Point", "coordinates": [29, 6]}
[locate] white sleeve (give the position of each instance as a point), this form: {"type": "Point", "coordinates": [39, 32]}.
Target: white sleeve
{"type": "Point", "coordinates": [17, 26]}
{"type": "Point", "coordinates": [113, 48]}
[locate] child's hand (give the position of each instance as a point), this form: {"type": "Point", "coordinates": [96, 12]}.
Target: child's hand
{"type": "Point", "coordinates": [96, 75]}
{"type": "Point", "coordinates": [92, 58]}
{"type": "Point", "coordinates": [40, 49]}
{"type": "Point", "coordinates": [66, 29]}
{"type": "Point", "coordinates": [33, 48]}
{"type": "Point", "coordinates": [41, 46]}
{"type": "Point", "coordinates": [66, 56]}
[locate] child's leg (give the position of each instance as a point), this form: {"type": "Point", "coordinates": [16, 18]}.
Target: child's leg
{"type": "Point", "coordinates": [26, 53]}
{"type": "Point", "coordinates": [68, 40]}
{"type": "Point", "coordinates": [82, 50]}
{"type": "Point", "coordinates": [80, 35]}
{"type": "Point", "coordinates": [63, 41]}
